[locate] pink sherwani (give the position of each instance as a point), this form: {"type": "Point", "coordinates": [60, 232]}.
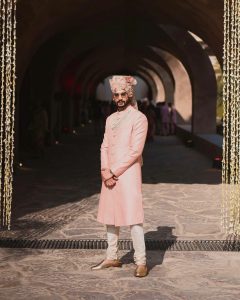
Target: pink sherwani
{"type": "Point", "coordinates": [121, 151]}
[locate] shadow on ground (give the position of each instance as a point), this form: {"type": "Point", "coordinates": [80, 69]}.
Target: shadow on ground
{"type": "Point", "coordinates": [162, 233]}
{"type": "Point", "coordinates": [70, 172]}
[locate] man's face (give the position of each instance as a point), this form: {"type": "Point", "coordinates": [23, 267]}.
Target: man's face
{"type": "Point", "coordinates": [120, 97]}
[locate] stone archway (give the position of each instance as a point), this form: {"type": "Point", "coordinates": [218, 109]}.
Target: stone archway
{"type": "Point", "coordinates": [37, 16]}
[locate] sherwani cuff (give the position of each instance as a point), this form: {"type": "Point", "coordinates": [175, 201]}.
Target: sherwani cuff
{"type": "Point", "coordinates": [112, 173]}
{"type": "Point", "coordinates": [117, 171]}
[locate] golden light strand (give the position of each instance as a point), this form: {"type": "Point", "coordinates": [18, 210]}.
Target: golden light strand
{"type": "Point", "coordinates": [8, 70]}
{"type": "Point", "coordinates": [14, 52]}
{"type": "Point", "coordinates": [3, 26]}
{"type": "Point", "coordinates": [230, 217]}
{"type": "Point", "coordinates": [226, 127]}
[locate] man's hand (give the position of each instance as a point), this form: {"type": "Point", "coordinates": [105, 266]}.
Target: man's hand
{"type": "Point", "coordinates": [108, 178]}
{"type": "Point", "coordinates": [110, 183]}
{"type": "Point", "coordinates": [106, 174]}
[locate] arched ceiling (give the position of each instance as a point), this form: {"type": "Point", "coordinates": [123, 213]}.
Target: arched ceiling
{"type": "Point", "coordinates": [106, 37]}
{"type": "Point", "coordinates": [129, 26]}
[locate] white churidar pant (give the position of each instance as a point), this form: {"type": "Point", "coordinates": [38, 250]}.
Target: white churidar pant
{"type": "Point", "coordinates": [137, 235]}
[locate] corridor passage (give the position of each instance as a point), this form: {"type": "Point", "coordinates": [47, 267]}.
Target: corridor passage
{"type": "Point", "coordinates": [57, 197]}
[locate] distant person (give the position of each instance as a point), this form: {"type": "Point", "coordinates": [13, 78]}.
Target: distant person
{"type": "Point", "coordinates": [148, 110]}
{"type": "Point", "coordinates": [59, 99]}
{"type": "Point", "coordinates": [173, 118]}
{"type": "Point", "coordinates": [159, 118]}
{"type": "Point", "coordinates": [38, 129]}
{"type": "Point", "coordinates": [97, 115]}
{"type": "Point", "coordinates": [83, 116]}
{"type": "Point", "coordinates": [106, 110]}
{"type": "Point", "coordinates": [165, 119]}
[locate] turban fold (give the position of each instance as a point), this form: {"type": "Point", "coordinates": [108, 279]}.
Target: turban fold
{"type": "Point", "coordinates": [120, 82]}
{"type": "Point", "coordinates": [126, 83]}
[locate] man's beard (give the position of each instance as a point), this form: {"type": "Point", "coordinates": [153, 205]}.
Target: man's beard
{"type": "Point", "coordinates": [123, 104]}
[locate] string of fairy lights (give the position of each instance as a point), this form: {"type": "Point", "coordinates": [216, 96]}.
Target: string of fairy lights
{"type": "Point", "coordinates": [7, 107]}
{"type": "Point", "coordinates": [230, 208]}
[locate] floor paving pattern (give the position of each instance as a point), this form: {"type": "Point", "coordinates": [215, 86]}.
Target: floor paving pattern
{"type": "Point", "coordinates": [57, 197]}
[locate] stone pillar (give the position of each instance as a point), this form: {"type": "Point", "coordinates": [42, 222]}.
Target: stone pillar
{"type": "Point", "coordinates": [203, 79]}
{"type": "Point", "coordinates": [182, 93]}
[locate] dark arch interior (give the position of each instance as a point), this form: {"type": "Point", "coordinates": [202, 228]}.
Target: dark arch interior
{"type": "Point", "coordinates": [66, 50]}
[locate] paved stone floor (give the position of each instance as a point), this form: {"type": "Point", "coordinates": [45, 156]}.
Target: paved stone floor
{"type": "Point", "coordinates": [66, 274]}
{"type": "Point", "coordinates": [57, 197]}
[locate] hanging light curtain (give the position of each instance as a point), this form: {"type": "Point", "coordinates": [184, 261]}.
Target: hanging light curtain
{"type": "Point", "coordinates": [231, 120]}
{"type": "Point", "coordinates": [7, 107]}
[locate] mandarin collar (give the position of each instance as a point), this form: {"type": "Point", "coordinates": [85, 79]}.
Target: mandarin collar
{"type": "Point", "coordinates": [125, 110]}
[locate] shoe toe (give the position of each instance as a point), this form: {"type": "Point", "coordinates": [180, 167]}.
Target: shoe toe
{"type": "Point", "coordinates": [104, 265]}
{"type": "Point", "coordinates": [141, 271]}
{"type": "Point", "coordinates": [98, 266]}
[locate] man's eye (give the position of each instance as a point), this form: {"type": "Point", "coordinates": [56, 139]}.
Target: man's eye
{"type": "Point", "coordinates": [116, 95]}
{"type": "Point", "coordinates": [123, 94]}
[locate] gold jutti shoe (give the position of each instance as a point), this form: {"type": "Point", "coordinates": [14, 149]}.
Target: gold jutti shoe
{"type": "Point", "coordinates": [141, 271]}
{"type": "Point", "coordinates": [104, 265]}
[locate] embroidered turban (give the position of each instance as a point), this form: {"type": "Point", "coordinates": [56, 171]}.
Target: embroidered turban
{"type": "Point", "coordinates": [126, 83]}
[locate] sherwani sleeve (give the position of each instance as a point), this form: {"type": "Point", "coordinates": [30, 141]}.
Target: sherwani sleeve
{"type": "Point", "coordinates": [104, 149]}
{"type": "Point", "coordinates": [135, 150]}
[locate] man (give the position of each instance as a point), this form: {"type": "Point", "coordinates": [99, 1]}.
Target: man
{"type": "Point", "coordinates": [121, 160]}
